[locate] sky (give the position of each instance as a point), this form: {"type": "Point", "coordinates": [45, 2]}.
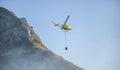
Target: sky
{"type": "Point", "coordinates": [94, 41]}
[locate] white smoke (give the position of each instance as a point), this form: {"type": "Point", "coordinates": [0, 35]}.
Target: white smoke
{"type": "Point", "coordinates": [33, 59]}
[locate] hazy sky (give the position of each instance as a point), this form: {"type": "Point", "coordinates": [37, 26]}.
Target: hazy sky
{"type": "Point", "coordinates": [94, 41]}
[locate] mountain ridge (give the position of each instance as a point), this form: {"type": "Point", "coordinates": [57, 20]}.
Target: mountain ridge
{"type": "Point", "coordinates": [21, 48]}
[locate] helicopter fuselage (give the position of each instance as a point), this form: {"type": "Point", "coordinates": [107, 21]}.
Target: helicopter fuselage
{"type": "Point", "coordinates": [66, 27]}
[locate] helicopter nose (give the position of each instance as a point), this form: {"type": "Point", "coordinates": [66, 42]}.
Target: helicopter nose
{"type": "Point", "coordinates": [69, 28]}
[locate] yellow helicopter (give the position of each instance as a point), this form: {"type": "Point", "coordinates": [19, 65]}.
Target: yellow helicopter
{"type": "Point", "coordinates": [64, 25]}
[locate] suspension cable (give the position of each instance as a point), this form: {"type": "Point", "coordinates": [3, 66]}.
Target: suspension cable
{"type": "Point", "coordinates": [65, 38]}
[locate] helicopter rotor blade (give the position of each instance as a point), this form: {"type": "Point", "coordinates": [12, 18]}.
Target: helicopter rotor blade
{"type": "Point", "coordinates": [66, 19]}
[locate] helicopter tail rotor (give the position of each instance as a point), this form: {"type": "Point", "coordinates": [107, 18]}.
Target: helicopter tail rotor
{"type": "Point", "coordinates": [53, 23]}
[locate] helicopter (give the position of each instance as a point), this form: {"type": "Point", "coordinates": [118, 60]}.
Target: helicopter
{"type": "Point", "coordinates": [63, 26]}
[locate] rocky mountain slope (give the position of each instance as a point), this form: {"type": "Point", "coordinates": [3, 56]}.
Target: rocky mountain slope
{"type": "Point", "coordinates": [21, 48]}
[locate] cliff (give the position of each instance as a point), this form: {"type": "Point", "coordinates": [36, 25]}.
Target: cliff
{"type": "Point", "coordinates": [21, 48]}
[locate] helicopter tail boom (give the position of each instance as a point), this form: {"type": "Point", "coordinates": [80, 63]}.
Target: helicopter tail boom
{"type": "Point", "coordinates": [59, 25]}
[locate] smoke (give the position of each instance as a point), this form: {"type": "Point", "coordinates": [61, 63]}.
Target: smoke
{"type": "Point", "coordinates": [35, 59]}
{"type": "Point", "coordinates": [21, 59]}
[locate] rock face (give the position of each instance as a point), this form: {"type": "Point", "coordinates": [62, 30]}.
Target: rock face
{"type": "Point", "coordinates": [21, 48]}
